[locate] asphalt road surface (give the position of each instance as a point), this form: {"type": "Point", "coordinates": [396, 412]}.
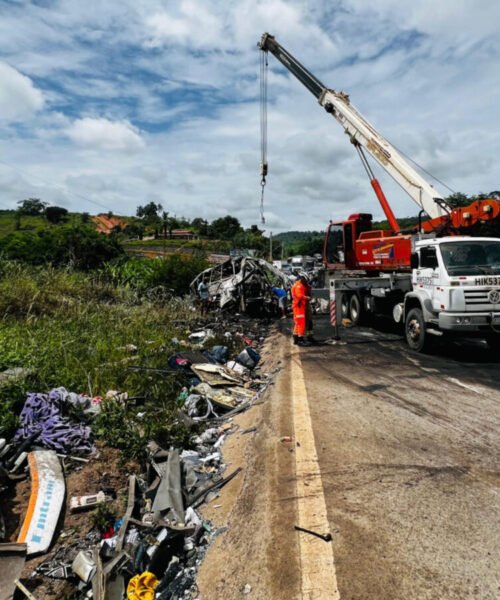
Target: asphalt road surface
{"type": "Point", "coordinates": [408, 448]}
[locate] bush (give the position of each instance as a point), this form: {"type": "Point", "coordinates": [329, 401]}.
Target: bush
{"type": "Point", "coordinates": [80, 247]}
{"type": "Point", "coordinates": [31, 291]}
{"type": "Point", "coordinates": [173, 272]}
{"type": "Point", "coordinates": [72, 329]}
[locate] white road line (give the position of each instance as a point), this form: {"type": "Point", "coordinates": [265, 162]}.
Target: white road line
{"type": "Point", "coordinates": [319, 580]}
{"type": "Point", "coordinates": [464, 385]}
{"type": "Point", "coordinates": [419, 365]}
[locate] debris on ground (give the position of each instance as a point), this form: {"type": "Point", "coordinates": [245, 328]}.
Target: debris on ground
{"type": "Point", "coordinates": [243, 284]}
{"type": "Point", "coordinates": [130, 529]}
{"type": "Point", "coordinates": [12, 558]}
{"type": "Point", "coordinates": [45, 503]}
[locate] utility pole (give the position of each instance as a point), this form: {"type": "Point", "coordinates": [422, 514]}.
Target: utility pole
{"type": "Point", "coordinates": [270, 246]}
{"type": "Point", "coordinates": [165, 227]}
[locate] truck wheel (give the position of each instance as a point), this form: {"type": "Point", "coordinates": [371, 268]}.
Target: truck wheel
{"type": "Point", "coordinates": [416, 335]}
{"type": "Point", "coordinates": [493, 341]}
{"type": "Point", "coordinates": [355, 309]}
{"type": "Point", "coordinates": [344, 306]}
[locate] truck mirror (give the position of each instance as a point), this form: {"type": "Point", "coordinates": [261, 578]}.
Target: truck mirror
{"type": "Point", "coordinates": [414, 260]}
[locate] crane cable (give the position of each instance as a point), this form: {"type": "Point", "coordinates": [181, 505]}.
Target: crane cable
{"type": "Point", "coordinates": [263, 129]}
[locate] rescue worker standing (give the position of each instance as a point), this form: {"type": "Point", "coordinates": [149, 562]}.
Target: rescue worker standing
{"type": "Point", "coordinates": [309, 312]}
{"type": "Point", "coordinates": [300, 300]}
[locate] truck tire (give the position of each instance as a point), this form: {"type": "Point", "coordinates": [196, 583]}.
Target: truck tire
{"type": "Point", "coordinates": [355, 309]}
{"type": "Point", "coordinates": [415, 333]}
{"type": "Point", "coordinates": [344, 306]}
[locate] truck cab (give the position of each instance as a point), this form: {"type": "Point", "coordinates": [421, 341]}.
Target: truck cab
{"type": "Point", "coordinates": [456, 288]}
{"type": "Point", "coordinates": [353, 245]}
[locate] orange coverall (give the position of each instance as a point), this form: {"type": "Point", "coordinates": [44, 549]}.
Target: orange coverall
{"type": "Point", "coordinates": [309, 317]}
{"type": "Point", "coordinates": [299, 306]}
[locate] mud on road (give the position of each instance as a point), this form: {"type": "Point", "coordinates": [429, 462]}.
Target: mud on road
{"type": "Point", "coordinates": [408, 449]}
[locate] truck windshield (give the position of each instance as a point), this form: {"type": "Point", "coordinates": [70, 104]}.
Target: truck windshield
{"type": "Point", "coordinates": [334, 244]}
{"type": "Point", "coordinates": [471, 257]}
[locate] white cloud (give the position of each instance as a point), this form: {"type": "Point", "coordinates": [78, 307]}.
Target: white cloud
{"type": "Point", "coordinates": [183, 76]}
{"type": "Point", "coordinates": [105, 134]}
{"type": "Point", "coordinates": [193, 25]}
{"type": "Point", "coordinates": [19, 98]}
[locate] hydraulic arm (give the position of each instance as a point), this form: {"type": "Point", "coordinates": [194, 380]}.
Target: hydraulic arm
{"type": "Point", "coordinates": [365, 138]}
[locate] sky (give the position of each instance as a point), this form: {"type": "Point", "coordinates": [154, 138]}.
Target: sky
{"type": "Point", "coordinates": [105, 106]}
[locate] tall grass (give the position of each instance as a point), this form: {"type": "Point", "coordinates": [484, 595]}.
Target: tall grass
{"type": "Point", "coordinates": [75, 330]}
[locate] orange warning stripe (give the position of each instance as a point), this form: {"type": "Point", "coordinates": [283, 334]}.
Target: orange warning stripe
{"type": "Point", "coordinates": [33, 498]}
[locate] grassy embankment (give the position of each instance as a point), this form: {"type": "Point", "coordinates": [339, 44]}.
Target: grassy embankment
{"type": "Point", "coordinates": [177, 246]}
{"type": "Point", "coordinates": [72, 329]}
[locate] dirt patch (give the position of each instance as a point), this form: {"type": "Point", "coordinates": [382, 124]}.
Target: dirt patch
{"type": "Point", "coordinates": [259, 548]}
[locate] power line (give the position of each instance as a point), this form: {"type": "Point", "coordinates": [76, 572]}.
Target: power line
{"type": "Point", "coordinates": [408, 158]}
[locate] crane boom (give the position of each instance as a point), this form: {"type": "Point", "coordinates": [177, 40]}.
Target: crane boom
{"type": "Point", "coordinates": [362, 134]}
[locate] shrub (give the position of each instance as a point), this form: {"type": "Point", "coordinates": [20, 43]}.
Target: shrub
{"type": "Point", "coordinates": [80, 247]}
{"type": "Point", "coordinates": [173, 272]}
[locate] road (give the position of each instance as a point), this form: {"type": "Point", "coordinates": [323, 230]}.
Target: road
{"type": "Point", "coordinates": [393, 453]}
{"type": "Point", "coordinates": [408, 449]}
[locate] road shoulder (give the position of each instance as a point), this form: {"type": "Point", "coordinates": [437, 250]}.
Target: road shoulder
{"type": "Point", "coordinates": [260, 547]}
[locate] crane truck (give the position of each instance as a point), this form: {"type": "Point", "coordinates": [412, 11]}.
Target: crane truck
{"type": "Point", "coordinates": [436, 279]}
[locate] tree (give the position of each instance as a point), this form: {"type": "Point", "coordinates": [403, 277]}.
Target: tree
{"type": "Point", "coordinates": [150, 212]}
{"type": "Point", "coordinates": [32, 206]}
{"type": "Point", "coordinates": [165, 224]}
{"type": "Point", "coordinates": [458, 199]}
{"type": "Point", "coordinates": [252, 238]}
{"type": "Point", "coordinates": [17, 220]}
{"type": "Point", "coordinates": [80, 247]}
{"type": "Point", "coordinates": [200, 225]}
{"type": "Point", "coordinates": [134, 230]}
{"type": "Point", "coordinates": [56, 214]}
{"type": "Point", "coordinates": [85, 217]}
{"type": "Point", "coordinates": [224, 228]}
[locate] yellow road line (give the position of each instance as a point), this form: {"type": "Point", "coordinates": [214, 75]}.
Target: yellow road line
{"type": "Point", "coordinates": [319, 580]}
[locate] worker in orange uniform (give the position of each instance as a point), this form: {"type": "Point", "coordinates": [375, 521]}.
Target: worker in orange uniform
{"type": "Point", "coordinates": [300, 300]}
{"type": "Point", "coordinates": [309, 312]}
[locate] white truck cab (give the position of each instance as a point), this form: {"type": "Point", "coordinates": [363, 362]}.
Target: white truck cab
{"type": "Point", "coordinates": [455, 288]}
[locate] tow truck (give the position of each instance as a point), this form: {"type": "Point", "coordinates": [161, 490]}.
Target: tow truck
{"type": "Point", "coordinates": [434, 279]}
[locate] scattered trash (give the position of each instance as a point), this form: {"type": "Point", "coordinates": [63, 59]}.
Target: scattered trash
{"type": "Point", "coordinates": [326, 537]}
{"type": "Point", "coordinates": [286, 438]}
{"type": "Point", "coordinates": [79, 503]}
{"type": "Point", "coordinates": [24, 590]}
{"type": "Point", "coordinates": [142, 587]}
{"type": "Point", "coordinates": [249, 430]}
{"type": "Point", "coordinates": [248, 358]}
{"type": "Point", "coordinates": [237, 367]}
{"type": "Point", "coordinates": [201, 336]}
{"type": "Point", "coordinates": [84, 566]}
{"type": "Point", "coordinates": [247, 589]}
{"type": "Point", "coordinates": [152, 547]}
{"type": "Point", "coordinates": [42, 420]}
{"type": "Point", "coordinates": [46, 500]}
{"type": "Point", "coordinates": [14, 375]}
{"type": "Point", "coordinates": [12, 558]}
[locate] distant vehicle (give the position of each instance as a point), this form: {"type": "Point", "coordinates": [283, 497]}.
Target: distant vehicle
{"type": "Point", "coordinates": [297, 262]}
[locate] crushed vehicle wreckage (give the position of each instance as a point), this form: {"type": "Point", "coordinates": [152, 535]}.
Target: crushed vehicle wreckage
{"type": "Point", "coordinates": [244, 284]}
